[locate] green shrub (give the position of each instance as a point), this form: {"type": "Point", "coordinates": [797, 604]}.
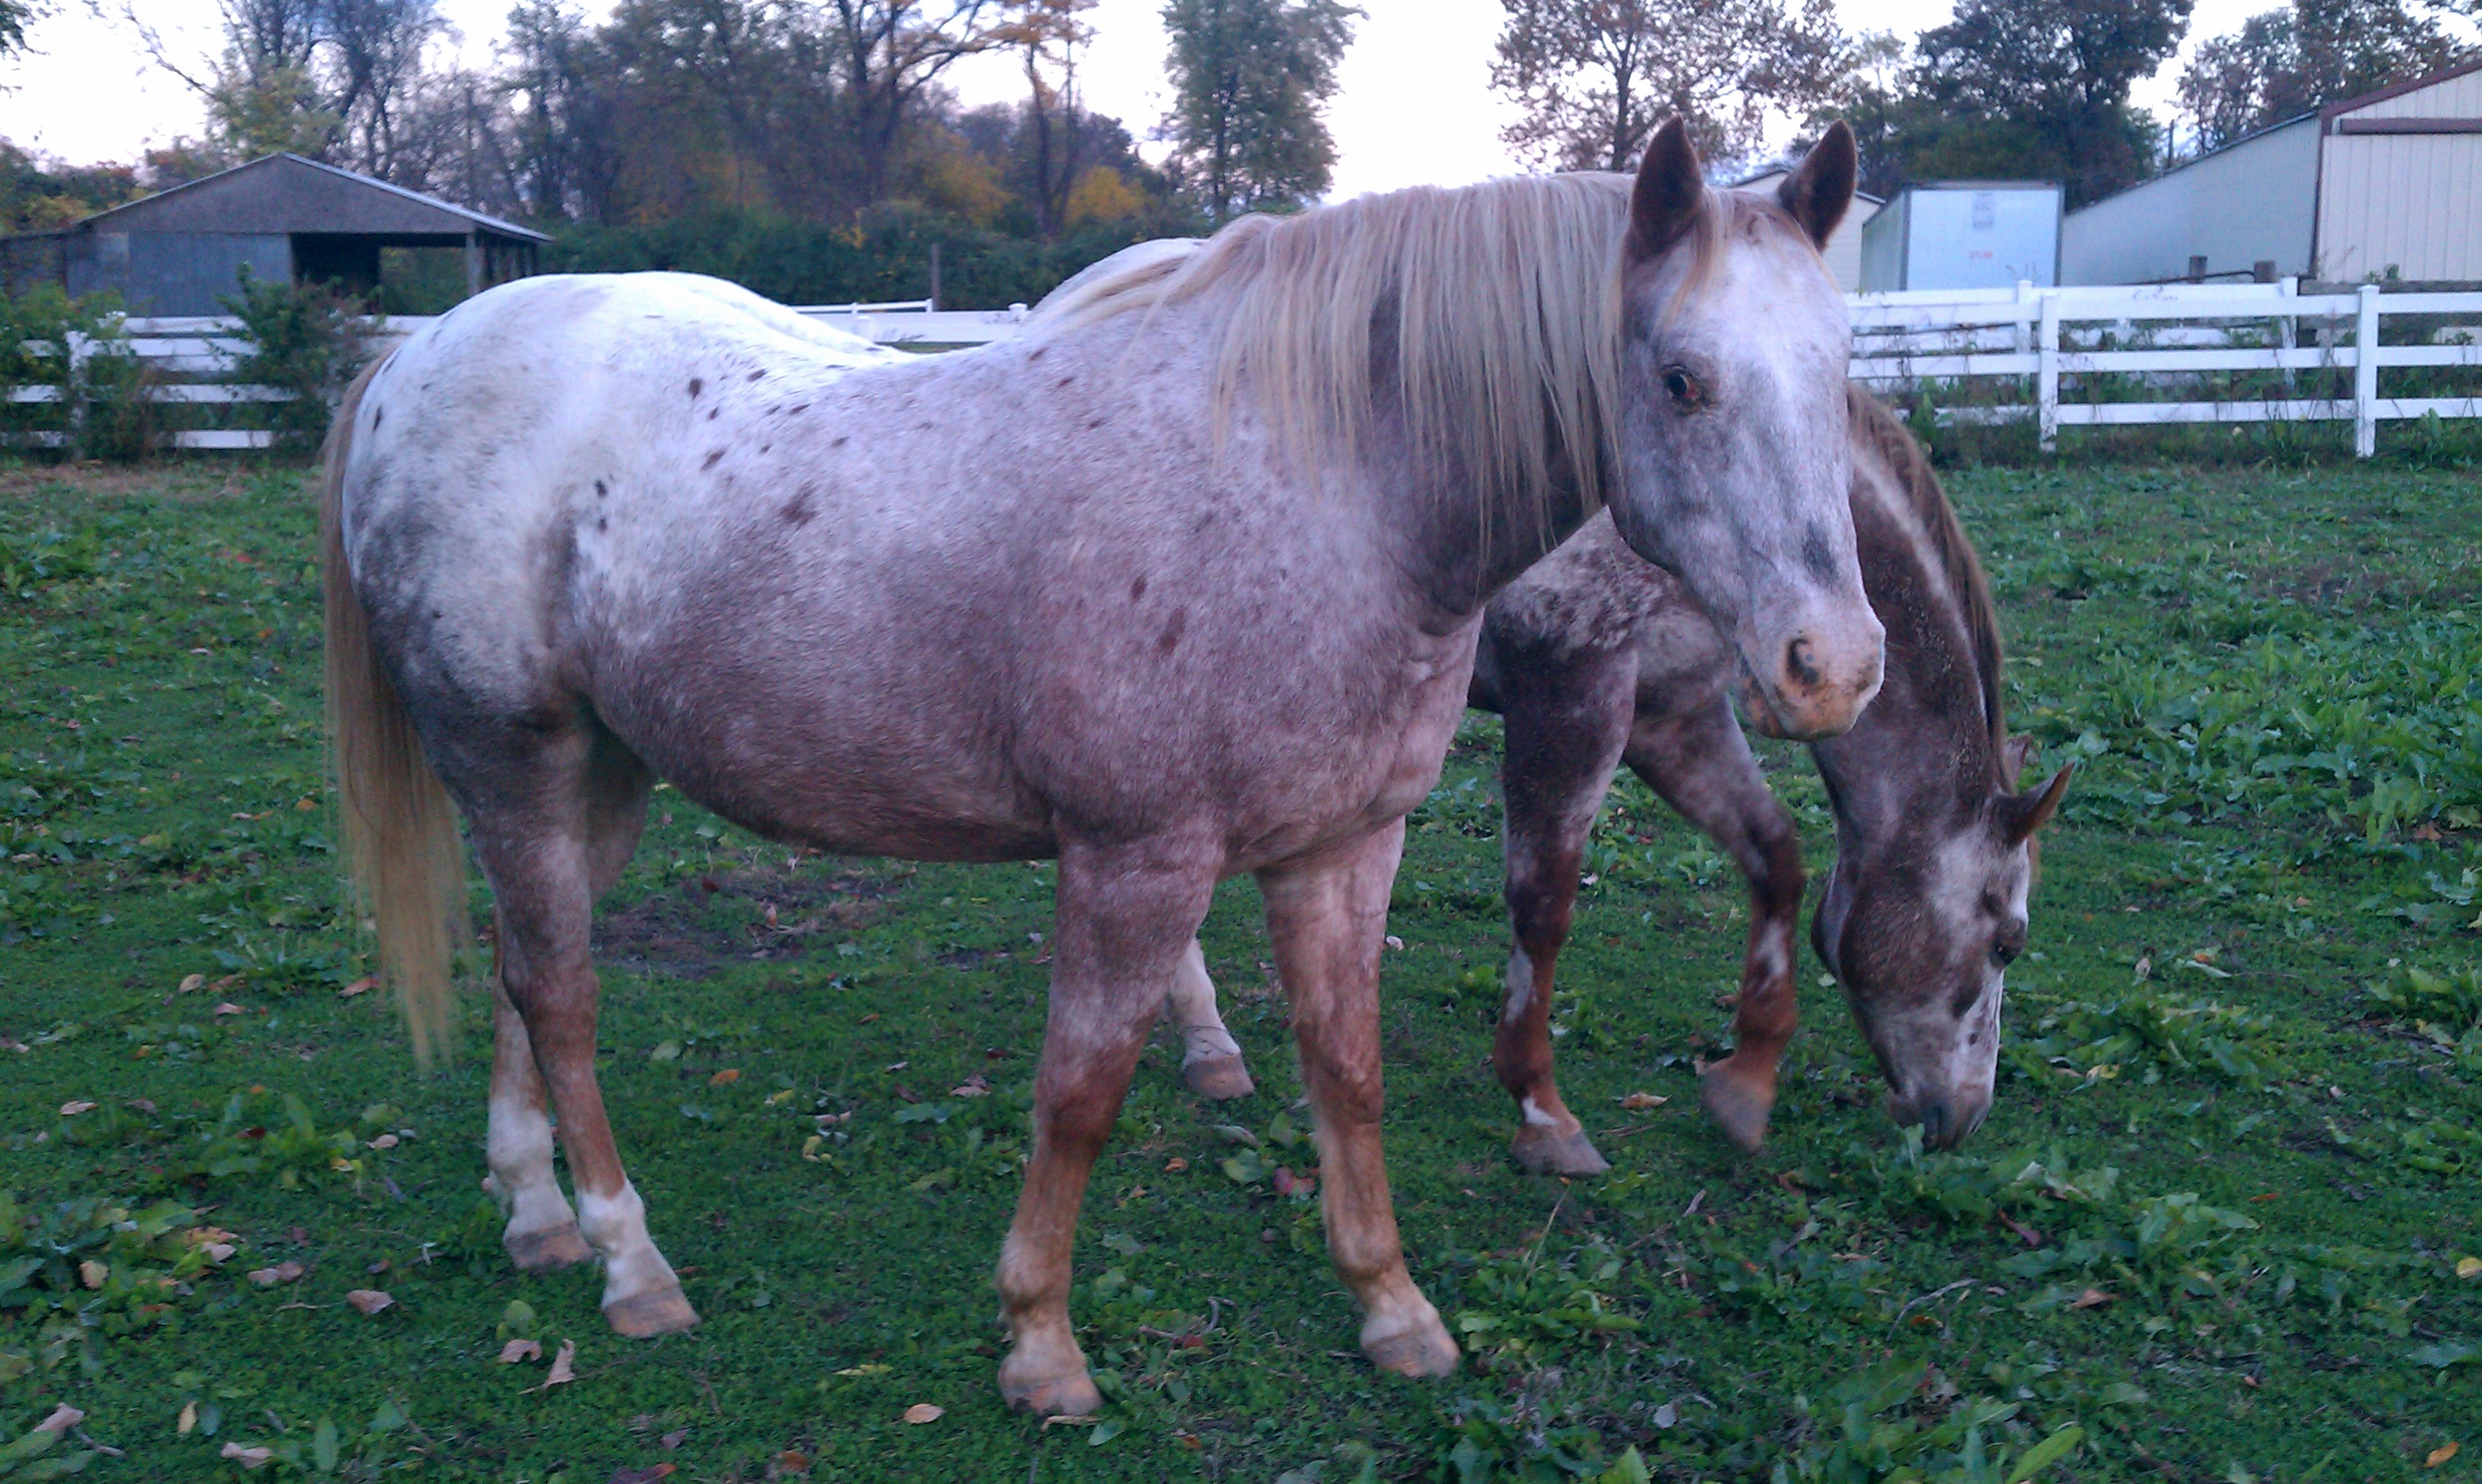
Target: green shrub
{"type": "Point", "coordinates": [102, 405]}
{"type": "Point", "coordinates": [305, 339]}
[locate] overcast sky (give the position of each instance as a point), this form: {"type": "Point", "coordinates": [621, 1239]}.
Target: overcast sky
{"type": "Point", "coordinates": [1413, 105]}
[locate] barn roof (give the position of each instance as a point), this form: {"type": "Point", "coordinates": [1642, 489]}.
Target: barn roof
{"type": "Point", "coordinates": [290, 193]}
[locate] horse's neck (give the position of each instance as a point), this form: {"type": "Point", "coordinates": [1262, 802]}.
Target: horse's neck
{"type": "Point", "coordinates": [1927, 739]}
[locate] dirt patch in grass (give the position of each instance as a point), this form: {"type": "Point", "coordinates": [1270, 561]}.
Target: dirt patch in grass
{"type": "Point", "coordinates": [725, 917]}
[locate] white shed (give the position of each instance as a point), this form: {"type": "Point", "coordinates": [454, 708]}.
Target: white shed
{"type": "Point", "coordinates": [1843, 252]}
{"type": "Point", "coordinates": [2384, 186]}
{"type": "Point", "coordinates": [1964, 234]}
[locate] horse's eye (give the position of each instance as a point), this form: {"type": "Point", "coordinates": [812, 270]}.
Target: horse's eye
{"type": "Point", "coordinates": [1684, 389]}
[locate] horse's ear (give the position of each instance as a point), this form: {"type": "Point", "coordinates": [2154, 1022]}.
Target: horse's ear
{"type": "Point", "coordinates": [1671, 192]}
{"type": "Point", "coordinates": [1818, 190]}
{"type": "Point", "coordinates": [2014, 754]}
{"type": "Point", "coordinates": [2022, 813]}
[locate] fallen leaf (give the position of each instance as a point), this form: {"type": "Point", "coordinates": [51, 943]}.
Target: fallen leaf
{"type": "Point", "coordinates": [228, 1008]}
{"type": "Point", "coordinates": [1638, 1100]}
{"type": "Point", "coordinates": [2091, 1298]}
{"type": "Point", "coordinates": [361, 986]}
{"type": "Point", "coordinates": [63, 1418]}
{"type": "Point", "coordinates": [1666, 1417]}
{"type": "Point", "coordinates": [564, 1364]}
{"type": "Point", "coordinates": [1396, 943]}
{"type": "Point", "coordinates": [2442, 1454]}
{"type": "Point", "coordinates": [92, 1273]}
{"type": "Point", "coordinates": [673, 1439]}
{"type": "Point", "coordinates": [1175, 1164]}
{"type": "Point", "coordinates": [516, 1350]}
{"type": "Point", "coordinates": [269, 1277]}
{"type": "Point", "coordinates": [725, 1078]}
{"type": "Point", "coordinates": [872, 1368]}
{"type": "Point", "coordinates": [193, 983]}
{"type": "Point", "coordinates": [72, 1109]}
{"type": "Point", "coordinates": [188, 1418]}
{"type": "Point", "coordinates": [2145, 967]}
{"type": "Point", "coordinates": [247, 1458]}
{"type": "Point", "coordinates": [923, 1411]}
{"type": "Point", "coordinates": [385, 1142]}
{"type": "Point", "coordinates": [218, 1252]}
{"type": "Point", "coordinates": [2469, 1268]}
{"type": "Point", "coordinates": [972, 1087]}
{"type": "Point", "coordinates": [790, 1462]}
{"type": "Point", "coordinates": [369, 1300]}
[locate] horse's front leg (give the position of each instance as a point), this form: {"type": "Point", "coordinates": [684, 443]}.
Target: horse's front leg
{"type": "Point", "coordinates": [1567, 721]}
{"type": "Point", "coordinates": [1701, 766]}
{"type": "Point", "coordinates": [1210, 1061]}
{"type": "Point", "coordinates": [1123, 915]}
{"type": "Point", "coordinates": [1327, 915]}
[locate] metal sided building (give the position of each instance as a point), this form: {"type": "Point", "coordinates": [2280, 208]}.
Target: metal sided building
{"type": "Point", "coordinates": [1964, 234]}
{"type": "Point", "coordinates": [284, 218]}
{"type": "Point", "coordinates": [2385, 186]}
{"type": "Point", "coordinates": [1843, 251]}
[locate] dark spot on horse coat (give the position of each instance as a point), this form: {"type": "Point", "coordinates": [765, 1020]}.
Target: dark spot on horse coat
{"type": "Point", "coordinates": [1096, 423]}
{"type": "Point", "coordinates": [1816, 555]}
{"type": "Point", "coordinates": [797, 511]}
{"type": "Point", "coordinates": [599, 490]}
{"type": "Point", "coordinates": [711, 412]}
{"type": "Point", "coordinates": [713, 457]}
{"type": "Point", "coordinates": [756, 375]}
{"type": "Point", "coordinates": [603, 524]}
{"type": "Point", "coordinates": [375, 415]}
{"type": "Point", "coordinates": [696, 386]}
{"type": "Point", "coordinates": [839, 443]}
{"type": "Point", "coordinates": [1172, 630]}
{"type": "Point", "coordinates": [1137, 589]}
{"type": "Point", "coordinates": [1040, 352]}
{"type": "Point", "coordinates": [764, 447]}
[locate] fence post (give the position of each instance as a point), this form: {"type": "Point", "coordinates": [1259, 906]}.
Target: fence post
{"type": "Point", "coordinates": [2024, 292]}
{"type": "Point", "coordinates": [2366, 371]}
{"type": "Point", "coordinates": [77, 352]}
{"type": "Point", "coordinates": [2047, 380]}
{"type": "Point", "coordinates": [2288, 325]}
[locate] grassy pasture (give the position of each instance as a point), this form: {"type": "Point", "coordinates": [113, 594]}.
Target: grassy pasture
{"type": "Point", "coordinates": [2221, 1223]}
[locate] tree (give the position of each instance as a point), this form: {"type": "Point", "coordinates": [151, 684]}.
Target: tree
{"type": "Point", "coordinates": [2284, 64]}
{"type": "Point", "coordinates": [16, 16]}
{"type": "Point", "coordinates": [2041, 88]}
{"type": "Point", "coordinates": [1594, 77]}
{"type": "Point", "coordinates": [886, 53]}
{"type": "Point", "coordinates": [1049, 34]}
{"type": "Point", "coordinates": [1250, 78]}
{"type": "Point", "coordinates": [1870, 90]}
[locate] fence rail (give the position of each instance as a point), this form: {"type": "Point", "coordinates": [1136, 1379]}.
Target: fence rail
{"type": "Point", "coordinates": [2064, 357]}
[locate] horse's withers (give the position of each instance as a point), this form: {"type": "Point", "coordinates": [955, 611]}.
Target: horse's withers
{"type": "Point", "coordinates": [1734, 450]}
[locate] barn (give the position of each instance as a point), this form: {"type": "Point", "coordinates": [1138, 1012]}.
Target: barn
{"type": "Point", "coordinates": [2385, 186]}
{"type": "Point", "coordinates": [284, 218]}
{"type": "Point", "coordinates": [1843, 252]}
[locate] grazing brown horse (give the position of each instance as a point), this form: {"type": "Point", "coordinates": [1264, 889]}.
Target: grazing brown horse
{"type": "Point", "coordinates": [1183, 584]}
{"type": "Point", "coordinates": [1595, 658]}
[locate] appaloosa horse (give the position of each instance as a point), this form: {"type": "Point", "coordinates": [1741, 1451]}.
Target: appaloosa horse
{"type": "Point", "coordinates": [1185, 582]}
{"type": "Point", "coordinates": [1596, 658]}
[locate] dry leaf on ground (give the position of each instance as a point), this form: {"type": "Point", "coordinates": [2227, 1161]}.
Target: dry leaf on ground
{"type": "Point", "coordinates": [63, 1418]}
{"type": "Point", "coordinates": [247, 1458]}
{"type": "Point", "coordinates": [564, 1364]}
{"type": "Point", "coordinates": [369, 1300]}
{"type": "Point", "coordinates": [2090, 1298]}
{"type": "Point", "coordinates": [1638, 1100]}
{"type": "Point", "coordinates": [2469, 1268]}
{"type": "Point", "coordinates": [792, 1462]}
{"type": "Point", "coordinates": [269, 1277]}
{"type": "Point", "coordinates": [92, 1273]}
{"type": "Point", "coordinates": [188, 1419]}
{"type": "Point", "coordinates": [2442, 1454]}
{"type": "Point", "coordinates": [190, 984]}
{"type": "Point", "coordinates": [923, 1411]}
{"type": "Point", "coordinates": [361, 986]}
{"type": "Point", "coordinates": [73, 1108]}
{"type": "Point", "coordinates": [725, 1078]}
{"type": "Point", "coordinates": [516, 1350]}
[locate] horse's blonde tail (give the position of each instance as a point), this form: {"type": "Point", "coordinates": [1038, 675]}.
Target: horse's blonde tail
{"type": "Point", "coordinates": [400, 845]}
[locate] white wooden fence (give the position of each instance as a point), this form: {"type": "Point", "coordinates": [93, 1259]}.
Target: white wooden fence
{"type": "Point", "coordinates": [2061, 357]}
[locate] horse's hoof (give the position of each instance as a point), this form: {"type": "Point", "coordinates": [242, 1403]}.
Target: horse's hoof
{"type": "Point", "coordinates": [1221, 1079]}
{"type": "Point", "coordinates": [1424, 1352]}
{"type": "Point", "coordinates": [1548, 1151]}
{"type": "Point", "coordinates": [1070, 1395]}
{"type": "Point", "coordinates": [547, 1250]}
{"type": "Point", "coordinates": [1742, 1114]}
{"type": "Point", "coordinates": [645, 1315]}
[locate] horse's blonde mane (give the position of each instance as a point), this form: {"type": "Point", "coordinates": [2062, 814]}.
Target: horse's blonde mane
{"type": "Point", "coordinates": [1498, 311]}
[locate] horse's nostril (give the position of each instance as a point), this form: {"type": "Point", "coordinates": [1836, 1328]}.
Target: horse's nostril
{"type": "Point", "coordinates": [1799, 666]}
{"type": "Point", "coordinates": [1934, 1124]}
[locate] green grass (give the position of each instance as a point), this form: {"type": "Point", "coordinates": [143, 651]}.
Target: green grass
{"type": "Point", "coordinates": [2222, 1105]}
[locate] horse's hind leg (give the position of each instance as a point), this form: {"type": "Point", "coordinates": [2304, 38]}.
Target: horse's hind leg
{"type": "Point", "coordinates": [1326, 917]}
{"type": "Point", "coordinates": [1701, 764]}
{"type": "Point", "coordinates": [1566, 725]}
{"type": "Point", "coordinates": [550, 826]}
{"type": "Point", "coordinates": [542, 1232]}
{"type": "Point", "coordinates": [1210, 1061]}
{"type": "Point", "coordinates": [1123, 917]}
